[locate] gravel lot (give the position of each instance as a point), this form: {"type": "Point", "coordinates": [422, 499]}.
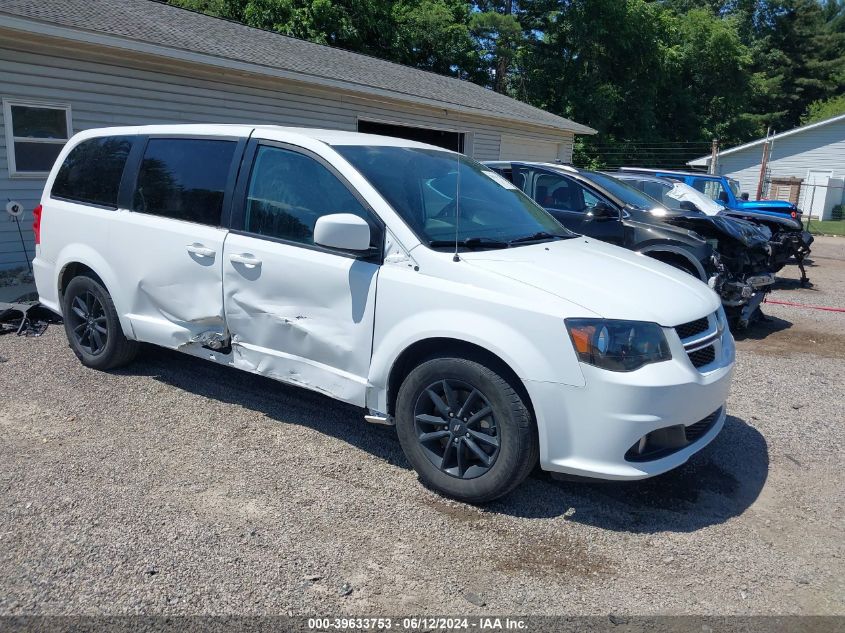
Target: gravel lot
{"type": "Point", "coordinates": [179, 487]}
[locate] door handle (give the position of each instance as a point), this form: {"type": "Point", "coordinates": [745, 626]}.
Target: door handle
{"type": "Point", "coordinates": [246, 259]}
{"type": "Point", "coordinates": [199, 250]}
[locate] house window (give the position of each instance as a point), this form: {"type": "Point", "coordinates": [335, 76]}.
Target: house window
{"type": "Point", "coordinates": [35, 134]}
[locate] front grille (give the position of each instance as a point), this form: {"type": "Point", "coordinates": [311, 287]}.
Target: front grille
{"type": "Point", "coordinates": [670, 439]}
{"type": "Point", "coordinates": [686, 330]}
{"type": "Point", "coordinates": [695, 431]}
{"type": "Point", "coordinates": [703, 356]}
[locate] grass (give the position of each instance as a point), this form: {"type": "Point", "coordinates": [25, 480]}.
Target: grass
{"type": "Point", "coordinates": [828, 227]}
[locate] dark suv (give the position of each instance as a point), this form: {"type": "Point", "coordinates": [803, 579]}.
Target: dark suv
{"type": "Point", "coordinates": [784, 222]}
{"type": "Point", "coordinates": [732, 256]}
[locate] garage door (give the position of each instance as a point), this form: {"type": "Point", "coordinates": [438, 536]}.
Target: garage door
{"type": "Point", "coordinates": [520, 148]}
{"type": "Point", "coordinates": [441, 138]}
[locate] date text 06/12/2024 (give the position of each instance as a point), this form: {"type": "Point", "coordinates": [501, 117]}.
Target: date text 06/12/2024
{"type": "Point", "coordinates": [417, 623]}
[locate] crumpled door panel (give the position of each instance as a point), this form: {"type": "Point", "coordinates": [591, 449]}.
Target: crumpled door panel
{"type": "Point", "coordinates": [300, 315]}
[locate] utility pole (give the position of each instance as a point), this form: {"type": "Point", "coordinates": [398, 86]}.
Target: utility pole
{"type": "Point", "coordinates": [764, 164]}
{"type": "Point", "coordinates": [714, 155]}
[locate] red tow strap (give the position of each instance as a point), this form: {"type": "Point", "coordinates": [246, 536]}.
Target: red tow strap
{"type": "Point", "coordinates": [803, 305]}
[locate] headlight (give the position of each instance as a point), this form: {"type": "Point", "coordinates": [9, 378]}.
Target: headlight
{"type": "Point", "coordinates": [618, 345]}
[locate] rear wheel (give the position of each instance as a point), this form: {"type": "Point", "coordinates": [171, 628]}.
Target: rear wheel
{"type": "Point", "coordinates": [465, 429]}
{"type": "Point", "coordinates": [93, 327]}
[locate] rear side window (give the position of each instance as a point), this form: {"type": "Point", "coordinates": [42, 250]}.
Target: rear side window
{"type": "Point", "coordinates": [92, 170]}
{"type": "Point", "coordinates": [184, 179]}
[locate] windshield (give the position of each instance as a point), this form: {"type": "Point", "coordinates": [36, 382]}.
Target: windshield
{"type": "Point", "coordinates": [422, 185]}
{"type": "Point", "coordinates": [622, 190]}
{"type": "Point", "coordinates": [713, 189]}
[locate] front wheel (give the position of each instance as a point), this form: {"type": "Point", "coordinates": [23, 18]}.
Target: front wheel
{"type": "Point", "coordinates": [465, 429]}
{"type": "Point", "coordinates": [93, 327]}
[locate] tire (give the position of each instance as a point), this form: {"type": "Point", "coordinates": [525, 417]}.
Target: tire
{"type": "Point", "coordinates": [93, 327]}
{"type": "Point", "coordinates": [506, 435]}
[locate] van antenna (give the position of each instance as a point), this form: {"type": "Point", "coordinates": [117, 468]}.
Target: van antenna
{"type": "Point", "coordinates": [455, 258]}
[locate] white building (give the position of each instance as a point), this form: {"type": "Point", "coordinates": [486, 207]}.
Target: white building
{"type": "Point", "coordinates": [811, 156]}
{"type": "Point", "coordinates": [70, 65]}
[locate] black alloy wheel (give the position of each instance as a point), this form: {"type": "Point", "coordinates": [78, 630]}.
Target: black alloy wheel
{"type": "Point", "coordinates": [93, 326]}
{"type": "Point", "coordinates": [456, 428]}
{"type": "Point", "coordinates": [88, 323]}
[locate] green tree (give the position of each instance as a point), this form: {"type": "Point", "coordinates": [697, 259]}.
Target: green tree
{"type": "Point", "coordinates": [499, 36]}
{"type": "Point", "coordinates": [821, 110]}
{"type": "Point", "coordinates": [709, 78]}
{"type": "Point", "coordinates": [800, 59]}
{"type": "Point", "coordinates": [435, 35]}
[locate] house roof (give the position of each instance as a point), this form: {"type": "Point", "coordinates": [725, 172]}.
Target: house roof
{"type": "Point", "coordinates": [147, 26]}
{"type": "Point", "coordinates": [705, 160]}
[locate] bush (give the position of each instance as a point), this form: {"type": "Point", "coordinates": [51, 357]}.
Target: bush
{"type": "Point", "coordinates": [837, 212]}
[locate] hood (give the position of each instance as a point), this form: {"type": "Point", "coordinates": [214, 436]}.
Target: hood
{"type": "Point", "coordinates": [661, 219]}
{"type": "Point", "coordinates": [775, 217]}
{"type": "Point", "coordinates": [610, 281]}
{"type": "Point", "coordinates": [779, 205]}
{"type": "Point", "coordinates": [746, 233]}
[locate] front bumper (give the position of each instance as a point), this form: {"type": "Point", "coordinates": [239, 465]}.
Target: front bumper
{"type": "Point", "coordinates": [588, 430]}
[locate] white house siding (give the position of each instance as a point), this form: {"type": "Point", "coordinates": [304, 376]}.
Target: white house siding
{"type": "Point", "coordinates": [107, 88]}
{"type": "Point", "coordinates": [820, 148]}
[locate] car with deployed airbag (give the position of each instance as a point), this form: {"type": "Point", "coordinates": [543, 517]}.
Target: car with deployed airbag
{"type": "Point", "coordinates": [788, 239]}
{"type": "Point", "coordinates": [733, 257]}
{"type": "Point", "coordinates": [405, 279]}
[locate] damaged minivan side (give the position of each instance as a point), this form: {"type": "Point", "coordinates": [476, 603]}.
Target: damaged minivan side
{"type": "Point", "coordinates": [403, 278]}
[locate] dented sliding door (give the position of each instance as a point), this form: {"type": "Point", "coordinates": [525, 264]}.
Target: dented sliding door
{"type": "Point", "coordinates": [166, 240]}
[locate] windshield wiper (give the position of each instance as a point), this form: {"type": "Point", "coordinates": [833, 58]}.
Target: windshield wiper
{"type": "Point", "coordinates": [471, 242]}
{"type": "Point", "coordinates": [537, 237]}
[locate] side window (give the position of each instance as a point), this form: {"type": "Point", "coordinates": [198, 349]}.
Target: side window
{"type": "Point", "coordinates": [92, 171]}
{"type": "Point", "coordinates": [713, 189]}
{"type": "Point", "coordinates": [559, 193]}
{"type": "Point", "coordinates": [184, 179]}
{"type": "Point", "coordinates": [289, 191]}
{"type": "Point", "coordinates": [590, 199]}
{"type": "Point", "coordinates": [35, 135]}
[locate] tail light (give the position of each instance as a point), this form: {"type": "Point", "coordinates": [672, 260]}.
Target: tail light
{"type": "Point", "coordinates": [794, 215]}
{"type": "Point", "coordinates": [36, 223]}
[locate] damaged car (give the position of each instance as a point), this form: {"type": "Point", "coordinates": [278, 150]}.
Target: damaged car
{"type": "Point", "coordinates": [781, 217]}
{"type": "Point", "coordinates": [733, 257]}
{"type": "Point", "coordinates": [789, 241]}
{"type": "Point", "coordinates": [399, 277]}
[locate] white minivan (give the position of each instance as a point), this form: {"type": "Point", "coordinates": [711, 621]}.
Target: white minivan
{"type": "Point", "coordinates": [403, 278]}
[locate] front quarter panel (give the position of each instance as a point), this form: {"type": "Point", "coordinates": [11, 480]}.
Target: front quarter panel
{"type": "Point", "coordinates": [523, 327]}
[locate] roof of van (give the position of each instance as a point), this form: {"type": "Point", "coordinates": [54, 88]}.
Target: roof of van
{"type": "Point", "coordinates": [329, 137]}
{"type": "Point", "coordinates": [175, 33]}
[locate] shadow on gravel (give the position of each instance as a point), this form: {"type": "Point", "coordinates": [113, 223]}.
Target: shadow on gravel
{"type": "Point", "coordinates": [786, 283]}
{"type": "Point", "coordinates": [279, 402]}
{"type": "Point", "coordinates": [759, 330]}
{"type": "Point", "coordinates": [716, 484]}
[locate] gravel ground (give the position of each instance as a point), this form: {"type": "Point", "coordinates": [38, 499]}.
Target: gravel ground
{"type": "Point", "coordinates": [180, 487]}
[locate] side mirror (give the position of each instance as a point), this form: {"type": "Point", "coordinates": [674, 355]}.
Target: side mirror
{"type": "Point", "coordinates": [723, 196]}
{"type": "Point", "coordinates": [603, 211]}
{"type": "Point", "coordinates": [342, 230]}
